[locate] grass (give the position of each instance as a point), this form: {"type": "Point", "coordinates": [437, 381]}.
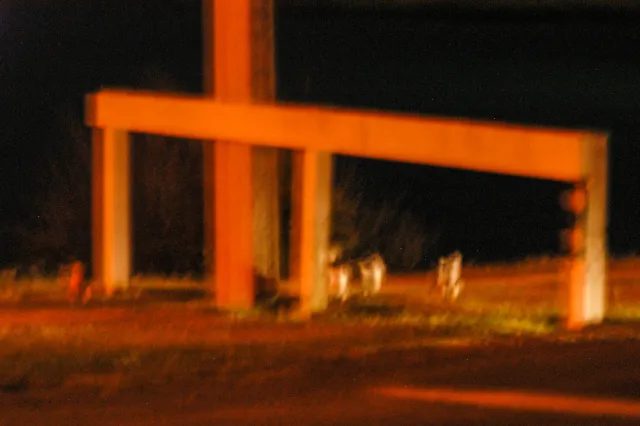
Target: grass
{"type": "Point", "coordinates": [495, 324]}
{"type": "Point", "coordinates": [504, 320]}
{"type": "Point", "coordinates": [106, 356]}
{"type": "Point", "coordinates": [12, 291]}
{"type": "Point", "coordinates": [624, 313]}
{"type": "Point", "coordinates": [168, 283]}
{"type": "Point", "coordinates": [527, 262]}
{"type": "Point", "coordinates": [51, 356]}
{"type": "Point", "coordinates": [54, 354]}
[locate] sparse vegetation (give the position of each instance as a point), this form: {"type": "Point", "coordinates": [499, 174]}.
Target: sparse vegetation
{"type": "Point", "coordinates": [90, 348]}
{"type": "Point", "coordinates": [163, 344]}
{"type": "Point", "coordinates": [621, 313]}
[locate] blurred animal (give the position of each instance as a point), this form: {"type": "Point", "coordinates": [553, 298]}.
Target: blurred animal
{"type": "Point", "coordinates": [373, 273]}
{"type": "Point", "coordinates": [448, 276]}
{"type": "Point", "coordinates": [340, 281]}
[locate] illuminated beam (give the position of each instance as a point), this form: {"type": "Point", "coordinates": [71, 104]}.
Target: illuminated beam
{"type": "Point", "coordinates": [497, 148]}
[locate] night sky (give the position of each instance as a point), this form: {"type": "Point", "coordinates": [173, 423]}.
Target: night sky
{"type": "Point", "coordinates": [567, 68]}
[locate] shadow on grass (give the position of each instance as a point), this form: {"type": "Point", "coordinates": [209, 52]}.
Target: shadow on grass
{"type": "Point", "coordinates": [174, 294]}
{"type": "Point", "coordinates": [374, 307]}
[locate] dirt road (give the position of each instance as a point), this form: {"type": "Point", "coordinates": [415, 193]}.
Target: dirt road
{"type": "Point", "coordinates": [351, 391]}
{"type": "Point", "coordinates": [175, 366]}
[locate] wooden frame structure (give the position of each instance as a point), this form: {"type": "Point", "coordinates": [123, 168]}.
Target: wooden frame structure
{"type": "Point", "coordinates": [236, 122]}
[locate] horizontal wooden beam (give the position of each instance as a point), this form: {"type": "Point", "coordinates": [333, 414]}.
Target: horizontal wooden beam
{"type": "Point", "coordinates": [490, 147]}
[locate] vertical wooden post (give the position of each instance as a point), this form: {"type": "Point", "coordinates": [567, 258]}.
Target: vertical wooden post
{"type": "Point", "coordinates": [266, 213]}
{"type": "Point", "coordinates": [233, 233]}
{"type": "Point", "coordinates": [295, 231]}
{"type": "Point", "coordinates": [234, 278]}
{"type": "Point", "coordinates": [266, 161]}
{"type": "Point", "coordinates": [208, 173]}
{"type": "Point", "coordinates": [587, 239]}
{"type": "Point", "coordinates": [314, 210]}
{"type": "Point", "coordinates": [576, 267]}
{"type": "Point", "coordinates": [111, 215]}
{"type": "Point", "coordinates": [239, 65]}
{"type": "Point", "coordinates": [596, 167]}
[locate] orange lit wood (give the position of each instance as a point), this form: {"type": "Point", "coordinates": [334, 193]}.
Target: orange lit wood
{"type": "Point", "coordinates": [588, 239]}
{"type": "Point", "coordinates": [240, 49]}
{"type": "Point", "coordinates": [295, 231]}
{"type": "Point", "coordinates": [230, 51]}
{"type": "Point", "coordinates": [111, 214]}
{"type": "Point", "coordinates": [267, 162]}
{"type": "Point", "coordinates": [595, 160]}
{"type": "Point", "coordinates": [315, 215]}
{"type": "Point", "coordinates": [208, 151]}
{"type": "Point", "coordinates": [234, 281]}
{"type": "Point", "coordinates": [239, 66]}
{"type": "Point", "coordinates": [576, 315]}
{"type": "Point", "coordinates": [513, 150]}
{"type": "Point", "coordinates": [266, 213]}
{"type": "Point", "coordinates": [234, 230]}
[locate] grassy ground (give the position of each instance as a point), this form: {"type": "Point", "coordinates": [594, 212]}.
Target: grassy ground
{"type": "Point", "coordinates": [108, 348]}
{"type": "Point", "coordinates": [145, 338]}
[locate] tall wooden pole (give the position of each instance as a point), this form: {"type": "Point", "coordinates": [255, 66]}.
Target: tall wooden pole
{"type": "Point", "coordinates": [312, 209]}
{"type": "Point", "coordinates": [239, 66]}
{"type": "Point", "coordinates": [587, 238]}
{"type": "Point", "coordinates": [111, 210]}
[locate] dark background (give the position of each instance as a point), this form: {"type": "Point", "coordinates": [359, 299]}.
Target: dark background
{"type": "Point", "coordinates": [568, 66]}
